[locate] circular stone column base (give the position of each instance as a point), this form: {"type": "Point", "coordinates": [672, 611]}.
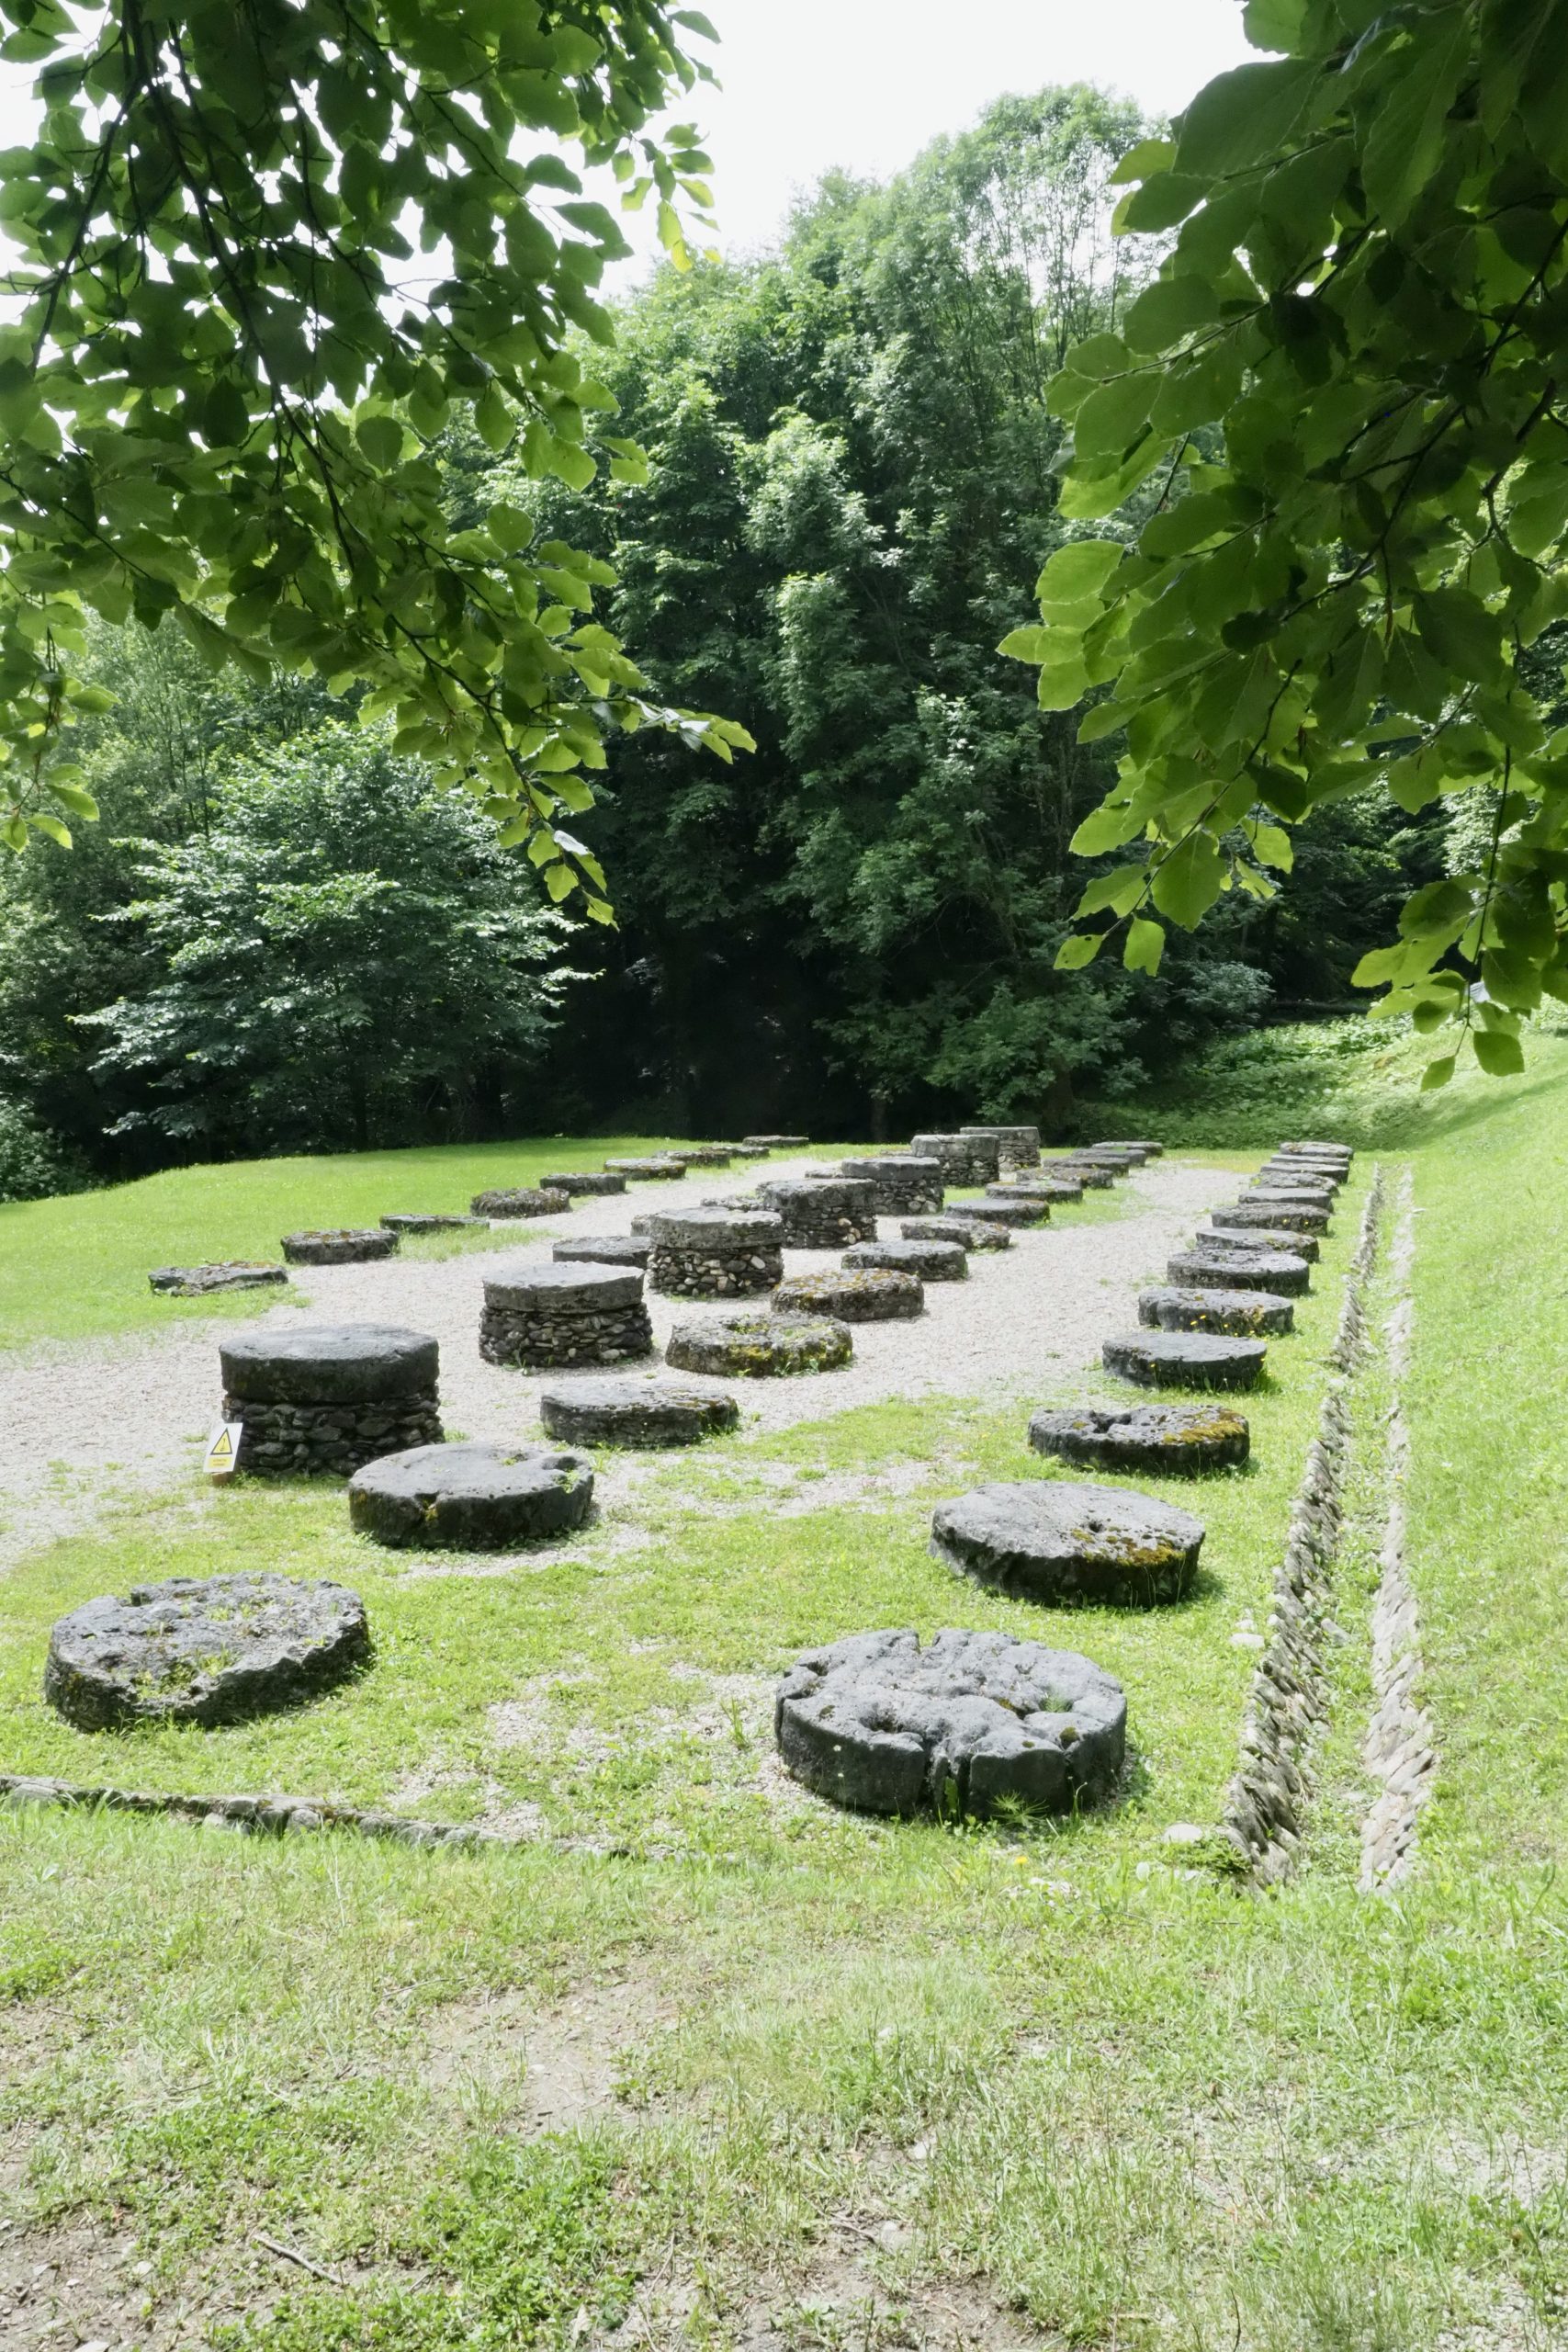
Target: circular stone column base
{"type": "Point", "coordinates": [1002, 1205]}
{"type": "Point", "coordinates": [1161, 1439]}
{"type": "Point", "coordinates": [934, 1262]}
{"type": "Point", "coordinates": [1067, 1545]}
{"type": "Point", "coordinates": [902, 1186]}
{"type": "Point", "coordinates": [326, 1398]}
{"type": "Point", "coordinates": [203, 1650]}
{"type": "Point", "coordinates": [226, 1273]}
{"type": "Point", "coordinates": [648, 1171]}
{"type": "Point", "coordinates": [604, 1249]}
{"type": "Point", "coordinates": [420, 1221]}
{"type": "Point", "coordinates": [342, 1245]}
{"type": "Point", "coordinates": [590, 1182]}
{"type": "Point", "coordinates": [957, 1225]}
{"type": "Point", "coordinates": [1284, 1275]}
{"type": "Point", "coordinates": [1185, 1360]}
{"type": "Point", "coordinates": [823, 1213]}
{"type": "Point", "coordinates": [640, 1411]}
{"type": "Point", "coordinates": [559, 1314]}
{"type": "Point", "coordinates": [1243, 1314]}
{"type": "Point", "coordinates": [877, 1296]}
{"type": "Point", "coordinates": [1281, 1215]}
{"type": "Point", "coordinates": [524, 1201]}
{"type": "Point", "coordinates": [470, 1498]}
{"type": "Point", "coordinates": [974, 1723]}
{"type": "Point", "coordinates": [1233, 1240]}
{"type": "Point", "coordinates": [759, 1345]}
{"type": "Point", "coordinates": [715, 1253]}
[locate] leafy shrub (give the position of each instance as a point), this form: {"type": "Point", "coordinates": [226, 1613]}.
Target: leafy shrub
{"type": "Point", "coordinates": [32, 1161]}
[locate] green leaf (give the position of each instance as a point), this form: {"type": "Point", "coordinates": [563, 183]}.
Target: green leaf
{"type": "Point", "coordinates": [1187, 880]}
{"type": "Point", "coordinates": [1271, 845]}
{"type": "Point", "coordinates": [494, 420]}
{"type": "Point", "coordinates": [1500, 1055]}
{"type": "Point", "coordinates": [1172, 307]}
{"type": "Point", "coordinates": [1142, 161]}
{"type": "Point", "coordinates": [1118, 890]}
{"type": "Point", "coordinates": [381, 438]}
{"type": "Point", "coordinates": [225, 418]}
{"type": "Point", "coordinates": [1438, 1072]}
{"type": "Point", "coordinates": [1079, 948]}
{"type": "Point", "coordinates": [1240, 116]}
{"type": "Point", "coordinates": [1405, 144]}
{"type": "Point", "coordinates": [1146, 944]}
{"type": "Point", "coordinates": [1074, 579]}
{"type": "Point", "coordinates": [1103, 829]}
{"type": "Point", "coordinates": [1110, 418]}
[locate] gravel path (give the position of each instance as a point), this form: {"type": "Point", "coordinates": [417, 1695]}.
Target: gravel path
{"type": "Point", "coordinates": [108, 1420]}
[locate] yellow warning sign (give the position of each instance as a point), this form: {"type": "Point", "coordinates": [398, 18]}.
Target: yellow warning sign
{"type": "Point", "coordinates": [223, 1450]}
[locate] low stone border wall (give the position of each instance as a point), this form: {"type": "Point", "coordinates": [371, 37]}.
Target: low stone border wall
{"type": "Point", "coordinates": [1266, 1804]}
{"type": "Point", "coordinates": [1399, 1751]}
{"type": "Point", "coordinates": [261, 1816]}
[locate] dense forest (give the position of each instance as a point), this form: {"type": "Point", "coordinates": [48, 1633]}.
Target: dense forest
{"type": "Point", "coordinates": [282, 935]}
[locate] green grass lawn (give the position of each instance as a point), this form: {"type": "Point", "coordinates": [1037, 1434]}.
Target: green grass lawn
{"type": "Point", "coordinates": [865, 2081]}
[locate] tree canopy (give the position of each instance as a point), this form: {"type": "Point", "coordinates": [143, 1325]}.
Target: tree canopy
{"type": "Point", "coordinates": [1344, 402]}
{"type": "Point", "coordinates": [270, 248]}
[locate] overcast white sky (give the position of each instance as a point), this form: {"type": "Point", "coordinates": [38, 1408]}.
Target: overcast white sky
{"type": "Point", "coordinates": [811, 84]}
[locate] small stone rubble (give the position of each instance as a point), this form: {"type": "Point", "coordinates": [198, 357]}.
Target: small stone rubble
{"type": "Point", "coordinates": [877, 1295]}
{"type": "Point", "coordinates": [974, 1723]}
{"type": "Point", "coordinates": [1162, 1439]}
{"type": "Point", "coordinates": [1214, 1268]}
{"type": "Point", "coordinates": [559, 1315]}
{"type": "Point", "coordinates": [758, 1345]}
{"type": "Point", "coordinates": [956, 1225]}
{"type": "Point", "coordinates": [590, 1184]}
{"type": "Point", "coordinates": [1246, 1314]}
{"type": "Point", "coordinates": [226, 1274]}
{"type": "Point", "coordinates": [1064, 1544]}
{"type": "Point", "coordinates": [342, 1245]}
{"type": "Point", "coordinates": [963, 1159]}
{"type": "Point", "coordinates": [934, 1262]}
{"type": "Point", "coordinates": [203, 1650]}
{"type": "Point", "coordinates": [900, 1184]}
{"type": "Point", "coordinates": [607, 1250]}
{"type": "Point", "coordinates": [327, 1397]}
{"type": "Point", "coordinates": [526, 1201]}
{"type": "Point", "coordinates": [470, 1498]}
{"type": "Point", "coordinates": [1283, 1216]}
{"type": "Point", "coordinates": [715, 1253]}
{"type": "Point", "coordinates": [418, 1221]}
{"type": "Point", "coordinates": [1185, 1360]}
{"type": "Point", "coordinates": [829, 1214]}
{"type": "Point", "coordinates": [637, 1410]}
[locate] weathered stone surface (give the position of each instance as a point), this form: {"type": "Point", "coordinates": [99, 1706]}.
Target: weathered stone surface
{"type": "Point", "coordinates": [203, 1649]}
{"type": "Point", "coordinates": [751, 1150]}
{"type": "Point", "coordinates": [1123, 1143]}
{"type": "Point", "coordinates": [1303, 1172]}
{"type": "Point", "coordinates": [1038, 1186]}
{"type": "Point", "coordinates": [573, 1314]}
{"type": "Point", "coordinates": [1113, 1155]}
{"type": "Point", "coordinates": [1093, 1175]}
{"type": "Point", "coordinates": [779, 1143]}
{"type": "Point", "coordinates": [759, 1346]}
{"type": "Point", "coordinates": [328, 1364]}
{"type": "Point", "coordinates": [340, 1245]}
{"type": "Point", "coordinates": [829, 1214]}
{"type": "Point", "coordinates": [899, 1182]}
{"type": "Point", "coordinates": [956, 1225]}
{"type": "Point", "coordinates": [1064, 1544]}
{"type": "Point", "coordinates": [281, 1439]}
{"type": "Point", "coordinates": [973, 1722]}
{"type": "Point", "coordinates": [470, 1498]}
{"type": "Point", "coordinates": [589, 1181]}
{"type": "Point", "coordinates": [638, 1410]}
{"type": "Point", "coordinates": [1185, 1358]}
{"type": "Point", "coordinates": [651, 1171]}
{"type": "Point", "coordinates": [1252, 1238]}
{"type": "Point", "coordinates": [708, 1155]}
{"type": "Point", "coordinates": [1245, 1314]}
{"type": "Point", "coordinates": [1164, 1439]}
{"type": "Point", "coordinates": [1002, 1205]}
{"type": "Point", "coordinates": [427, 1221]}
{"type": "Point", "coordinates": [524, 1201]}
{"type": "Point", "coordinates": [1321, 1150]}
{"type": "Point", "coordinates": [605, 1249]}
{"type": "Point", "coordinates": [934, 1262]}
{"type": "Point", "coordinates": [1016, 1146]}
{"type": "Point", "coordinates": [1286, 1216]}
{"type": "Point", "coordinates": [877, 1296]}
{"type": "Point", "coordinates": [963, 1159]}
{"type": "Point", "coordinates": [715, 1253]}
{"type": "Point", "coordinates": [226, 1274]}
{"type": "Point", "coordinates": [1205, 1268]}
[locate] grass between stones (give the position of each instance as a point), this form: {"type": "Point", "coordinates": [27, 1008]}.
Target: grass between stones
{"type": "Point", "coordinates": [709, 2063]}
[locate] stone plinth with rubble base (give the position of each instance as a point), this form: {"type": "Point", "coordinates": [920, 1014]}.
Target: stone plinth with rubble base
{"type": "Point", "coordinates": [1067, 1545]}
{"type": "Point", "coordinates": [829, 1214]}
{"type": "Point", "coordinates": [715, 1253]}
{"type": "Point", "coordinates": [876, 1296]}
{"type": "Point", "coordinates": [327, 1397]}
{"type": "Point", "coordinates": [1185, 1360]}
{"type": "Point", "coordinates": [638, 1410]}
{"type": "Point", "coordinates": [973, 1724]}
{"type": "Point", "coordinates": [527, 1200]}
{"type": "Point", "coordinates": [591, 1184]}
{"type": "Point", "coordinates": [1243, 1314]}
{"type": "Point", "coordinates": [592, 1314]}
{"type": "Point", "coordinates": [1162, 1439]}
{"type": "Point", "coordinates": [963, 1159]}
{"type": "Point", "coordinates": [900, 1184]}
{"type": "Point", "coordinates": [340, 1245]}
{"type": "Point", "coordinates": [226, 1273]}
{"type": "Point", "coordinates": [1016, 1146]}
{"type": "Point", "coordinates": [470, 1498]}
{"type": "Point", "coordinates": [934, 1262]}
{"type": "Point", "coordinates": [759, 1346]}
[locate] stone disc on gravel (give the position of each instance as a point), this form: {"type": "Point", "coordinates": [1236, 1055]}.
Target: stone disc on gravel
{"type": "Point", "coordinates": [1281, 1215]}
{"type": "Point", "coordinates": [634, 1411]}
{"type": "Point", "coordinates": [587, 1181]}
{"type": "Point", "coordinates": [877, 1295]}
{"type": "Point", "coordinates": [1245, 1314]}
{"type": "Point", "coordinates": [339, 1245]}
{"type": "Point", "coordinates": [778, 1143]}
{"type": "Point", "coordinates": [228, 1273]}
{"type": "Point", "coordinates": [1324, 1150]}
{"type": "Point", "coordinates": [527, 1200]}
{"type": "Point", "coordinates": [934, 1262]}
{"type": "Point", "coordinates": [203, 1649]}
{"type": "Point", "coordinates": [1090, 1175]}
{"type": "Point", "coordinates": [1249, 1241]}
{"type": "Point", "coordinates": [757, 1345]}
{"type": "Point", "coordinates": [648, 1171]}
{"type": "Point", "coordinates": [1278, 1271]}
{"type": "Point", "coordinates": [604, 1249]}
{"type": "Point", "coordinates": [426, 1221]}
{"type": "Point", "coordinates": [1060, 1542]}
{"type": "Point", "coordinates": [968, 1232]}
{"type": "Point", "coordinates": [470, 1498]}
{"type": "Point", "coordinates": [1139, 1143]}
{"type": "Point", "coordinates": [328, 1364]}
{"type": "Point", "coordinates": [1040, 1187]}
{"type": "Point", "coordinates": [1292, 1196]}
{"type": "Point", "coordinates": [1184, 1439]}
{"type": "Point", "coordinates": [971, 1723]}
{"type": "Point", "coordinates": [1002, 1205]}
{"type": "Point", "coordinates": [1185, 1358]}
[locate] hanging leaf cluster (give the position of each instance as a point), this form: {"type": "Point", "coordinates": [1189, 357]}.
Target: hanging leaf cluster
{"type": "Point", "coordinates": [1344, 404]}
{"type": "Point", "coordinates": [269, 249]}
